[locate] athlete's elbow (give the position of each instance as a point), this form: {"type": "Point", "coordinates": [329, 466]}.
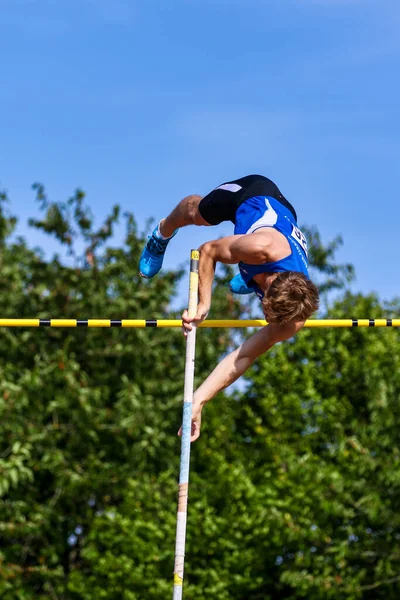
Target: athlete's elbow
{"type": "Point", "coordinates": [207, 250]}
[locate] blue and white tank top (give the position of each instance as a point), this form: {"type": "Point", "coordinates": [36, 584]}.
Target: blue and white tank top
{"type": "Point", "coordinates": [265, 211]}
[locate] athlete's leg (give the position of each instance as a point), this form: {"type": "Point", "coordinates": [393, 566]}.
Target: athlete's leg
{"type": "Point", "coordinates": [185, 213]}
{"type": "Point", "coordinates": [219, 205]}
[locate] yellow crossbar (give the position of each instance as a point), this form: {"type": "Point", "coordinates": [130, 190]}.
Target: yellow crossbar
{"type": "Point", "coordinates": [224, 323]}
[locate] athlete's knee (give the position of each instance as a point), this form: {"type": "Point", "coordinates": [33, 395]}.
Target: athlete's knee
{"type": "Point", "coordinates": [192, 209]}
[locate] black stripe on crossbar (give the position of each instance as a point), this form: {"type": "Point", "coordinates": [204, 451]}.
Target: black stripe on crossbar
{"type": "Point", "coordinates": [389, 323]}
{"type": "Point", "coordinates": [45, 322]}
{"type": "Point", "coordinates": [371, 323]}
{"type": "Point", "coordinates": [115, 323]}
{"type": "Point", "coordinates": [354, 322]}
{"type": "Point", "coordinates": [151, 323]}
{"type": "Point", "coordinates": [81, 322]}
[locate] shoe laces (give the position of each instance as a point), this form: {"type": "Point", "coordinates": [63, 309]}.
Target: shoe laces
{"type": "Point", "coordinates": [156, 246]}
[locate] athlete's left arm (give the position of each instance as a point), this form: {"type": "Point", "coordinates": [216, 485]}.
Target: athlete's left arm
{"type": "Point", "coordinates": [252, 248]}
{"type": "Point", "coordinates": [235, 364]}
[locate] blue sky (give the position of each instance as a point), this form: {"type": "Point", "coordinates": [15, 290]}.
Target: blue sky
{"type": "Point", "coordinates": [143, 102]}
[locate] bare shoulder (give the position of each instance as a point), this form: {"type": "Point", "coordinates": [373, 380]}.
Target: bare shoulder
{"type": "Point", "coordinates": [284, 331]}
{"type": "Point", "coordinates": [273, 241]}
{"type": "Point", "coordinates": [268, 234]}
{"type": "Point", "coordinates": [268, 336]}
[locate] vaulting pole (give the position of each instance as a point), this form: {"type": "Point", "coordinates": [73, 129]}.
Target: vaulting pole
{"type": "Point", "coordinates": [162, 323]}
{"type": "Point", "coordinates": [186, 432]}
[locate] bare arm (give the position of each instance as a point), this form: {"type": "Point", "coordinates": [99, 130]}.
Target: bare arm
{"type": "Point", "coordinates": [235, 364]}
{"type": "Point", "coordinates": [253, 248]}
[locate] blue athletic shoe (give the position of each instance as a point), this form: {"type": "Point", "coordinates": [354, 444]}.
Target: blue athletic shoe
{"type": "Point", "coordinates": [238, 286]}
{"type": "Point", "coordinates": [152, 257]}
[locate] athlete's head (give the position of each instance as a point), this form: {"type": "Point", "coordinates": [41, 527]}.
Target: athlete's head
{"type": "Point", "coordinates": [290, 297]}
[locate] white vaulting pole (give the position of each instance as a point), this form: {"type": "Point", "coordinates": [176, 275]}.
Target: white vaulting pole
{"type": "Point", "coordinates": [186, 432]}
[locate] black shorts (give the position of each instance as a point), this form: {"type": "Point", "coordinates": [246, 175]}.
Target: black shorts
{"type": "Point", "coordinates": [222, 203]}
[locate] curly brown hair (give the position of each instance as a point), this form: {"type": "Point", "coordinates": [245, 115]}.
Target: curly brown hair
{"type": "Point", "coordinates": [291, 297]}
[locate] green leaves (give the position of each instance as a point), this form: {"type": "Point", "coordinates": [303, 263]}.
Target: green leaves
{"type": "Point", "coordinates": [294, 482]}
{"type": "Point", "coordinates": [328, 403]}
{"type": "Point", "coordinates": [326, 273]}
{"type": "Point", "coordinates": [13, 471]}
{"type": "Point", "coordinates": [89, 455]}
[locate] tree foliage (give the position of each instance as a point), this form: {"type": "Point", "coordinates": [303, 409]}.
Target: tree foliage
{"type": "Point", "coordinates": [294, 482]}
{"type": "Point", "coordinates": [86, 414]}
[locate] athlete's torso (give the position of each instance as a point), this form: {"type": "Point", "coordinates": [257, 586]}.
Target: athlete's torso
{"type": "Point", "coordinates": [265, 211]}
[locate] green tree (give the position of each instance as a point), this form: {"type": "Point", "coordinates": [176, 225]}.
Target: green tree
{"type": "Point", "coordinates": [88, 417]}
{"type": "Point", "coordinates": [294, 481]}
{"type": "Point", "coordinates": [315, 436]}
